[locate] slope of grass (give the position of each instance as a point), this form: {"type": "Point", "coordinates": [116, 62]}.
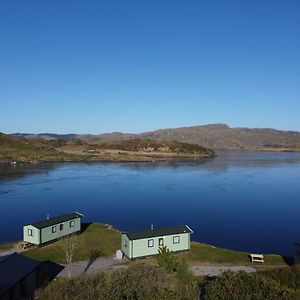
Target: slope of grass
{"type": "Point", "coordinates": [206, 254]}
{"type": "Point", "coordinates": [96, 237]}
{"type": "Point", "coordinates": [107, 241]}
{"type": "Point", "coordinates": [6, 247]}
{"type": "Point", "coordinates": [26, 150]}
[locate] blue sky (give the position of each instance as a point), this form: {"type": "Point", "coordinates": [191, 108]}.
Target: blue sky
{"type": "Point", "coordinates": [132, 66]}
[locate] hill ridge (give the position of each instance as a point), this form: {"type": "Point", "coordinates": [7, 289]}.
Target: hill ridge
{"type": "Point", "coordinates": [218, 136]}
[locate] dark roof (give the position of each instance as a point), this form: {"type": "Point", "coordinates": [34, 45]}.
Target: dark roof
{"type": "Point", "coordinates": [13, 268]}
{"type": "Point", "coordinates": [56, 220]}
{"type": "Point", "coordinates": [158, 232]}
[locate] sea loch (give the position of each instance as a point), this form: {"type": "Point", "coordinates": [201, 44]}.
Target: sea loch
{"type": "Point", "coordinates": [239, 200]}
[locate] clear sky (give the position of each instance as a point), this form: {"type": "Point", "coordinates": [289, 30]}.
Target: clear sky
{"type": "Point", "coordinates": [131, 66]}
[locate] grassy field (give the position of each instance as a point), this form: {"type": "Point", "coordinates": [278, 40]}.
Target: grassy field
{"type": "Point", "coordinates": [107, 241]}
{"type": "Point", "coordinates": [6, 247]}
{"type": "Point", "coordinates": [95, 237]}
{"type": "Point", "coordinates": [205, 254]}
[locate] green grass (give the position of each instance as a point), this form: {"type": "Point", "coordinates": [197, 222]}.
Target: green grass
{"type": "Point", "coordinates": [206, 254]}
{"type": "Point", "coordinates": [9, 246]}
{"type": "Point", "coordinates": [95, 237]}
{"type": "Point", "coordinates": [107, 241]}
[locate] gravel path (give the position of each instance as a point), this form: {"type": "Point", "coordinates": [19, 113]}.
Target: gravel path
{"type": "Point", "coordinates": [108, 263]}
{"type": "Point", "coordinates": [214, 270]}
{"type": "Point", "coordinates": [100, 264]}
{"type": "Point", "coordinates": [78, 268]}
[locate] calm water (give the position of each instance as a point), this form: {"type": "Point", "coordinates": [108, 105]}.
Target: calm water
{"type": "Point", "coordinates": [244, 201]}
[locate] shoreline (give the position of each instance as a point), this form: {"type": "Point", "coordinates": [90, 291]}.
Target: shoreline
{"type": "Point", "coordinates": [138, 158]}
{"type": "Point", "coordinates": [10, 244]}
{"type": "Point", "coordinates": [141, 159]}
{"type": "Point", "coordinates": [108, 238]}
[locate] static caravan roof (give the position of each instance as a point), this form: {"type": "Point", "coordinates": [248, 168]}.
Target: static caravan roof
{"type": "Point", "coordinates": [136, 235]}
{"type": "Point", "coordinates": [14, 268]}
{"type": "Point", "coordinates": [56, 220]}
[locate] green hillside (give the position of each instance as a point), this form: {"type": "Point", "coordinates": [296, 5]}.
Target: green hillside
{"type": "Point", "coordinates": [25, 150]}
{"type": "Point", "coordinates": [139, 144]}
{"type": "Point", "coordinates": [22, 149]}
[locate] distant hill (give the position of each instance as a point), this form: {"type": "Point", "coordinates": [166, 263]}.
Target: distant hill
{"type": "Point", "coordinates": [222, 137]}
{"type": "Point", "coordinates": [45, 136]}
{"type": "Point", "coordinates": [214, 136]}
{"type": "Point", "coordinates": [20, 149]}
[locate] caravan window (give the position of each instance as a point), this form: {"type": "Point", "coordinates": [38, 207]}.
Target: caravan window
{"type": "Point", "coordinates": [161, 242]}
{"type": "Point", "coordinates": [151, 243]}
{"type": "Point", "coordinates": [30, 232]}
{"type": "Point", "coordinates": [53, 229]}
{"type": "Point", "coordinates": [176, 239]}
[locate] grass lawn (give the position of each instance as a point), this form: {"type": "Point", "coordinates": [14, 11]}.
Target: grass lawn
{"type": "Point", "coordinates": [6, 247]}
{"type": "Point", "coordinates": [206, 254]}
{"type": "Point", "coordinates": [96, 237]}
{"type": "Point", "coordinates": [101, 237]}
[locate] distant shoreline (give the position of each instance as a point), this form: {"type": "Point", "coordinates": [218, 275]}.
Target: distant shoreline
{"type": "Point", "coordinates": [111, 160]}
{"type": "Point", "coordinates": [138, 157]}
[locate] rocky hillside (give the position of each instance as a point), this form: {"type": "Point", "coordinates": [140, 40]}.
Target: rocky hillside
{"type": "Point", "coordinates": [37, 149]}
{"type": "Point", "coordinates": [222, 137]}
{"type": "Point", "coordinates": [215, 136]}
{"type": "Point", "coordinates": [147, 145]}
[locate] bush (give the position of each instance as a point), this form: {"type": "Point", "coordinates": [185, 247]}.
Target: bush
{"type": "Point", "coordinates": [288, 277]}
{"type": "Point", "coordinates": [186, 284]}
{"type": "Point", "coordinates": [167, 260]}
{"type": "Point", "coordinates": [241, 285]}
{"type": "Point", "coordinates": [136, 282]}
{"type": "Point", "coordinates": [141, 282]}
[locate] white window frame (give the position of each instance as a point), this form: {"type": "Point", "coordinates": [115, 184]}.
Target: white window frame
{"type": "Point", "coordinates": [150, 243]}
{"type": "Point", "coordinates": [60, 229]}
{"type": "Point", "coordinates": [30, 232]}
{"type": "Point", "coordinates": [176, 239]}
{"type": "Point", "coordinates": [72, 223]}
{"type": "Point", "coordinates": [53, 229]}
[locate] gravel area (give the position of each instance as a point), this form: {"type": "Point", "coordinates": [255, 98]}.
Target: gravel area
{"type": "Point", "coordinates": [100, 264]}
{"type": "Point", "coordinates": [214, 270]}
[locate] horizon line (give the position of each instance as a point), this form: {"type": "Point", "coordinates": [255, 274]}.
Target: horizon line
{"type": "Point", "coordinates": [141, 132]}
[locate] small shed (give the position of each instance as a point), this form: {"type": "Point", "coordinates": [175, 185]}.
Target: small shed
{"type": "Point", "coordinates": [145, 243]}
{"type": "Point", "coordinates": [21, 276]}
{"type": "Point", "coordinates": [51, 229]}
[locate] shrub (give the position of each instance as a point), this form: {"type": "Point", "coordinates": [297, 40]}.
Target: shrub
{"type": "Point", "coordinates": [241, 285]}
{"type": "Point", "coordinates": [288, 277]}
{"type": "Point", "coordinates": [135, 282]}
{"type": "Point", "coordinates": [187, 286]}
{"type": "Point", "coordinates": [167, 260]}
